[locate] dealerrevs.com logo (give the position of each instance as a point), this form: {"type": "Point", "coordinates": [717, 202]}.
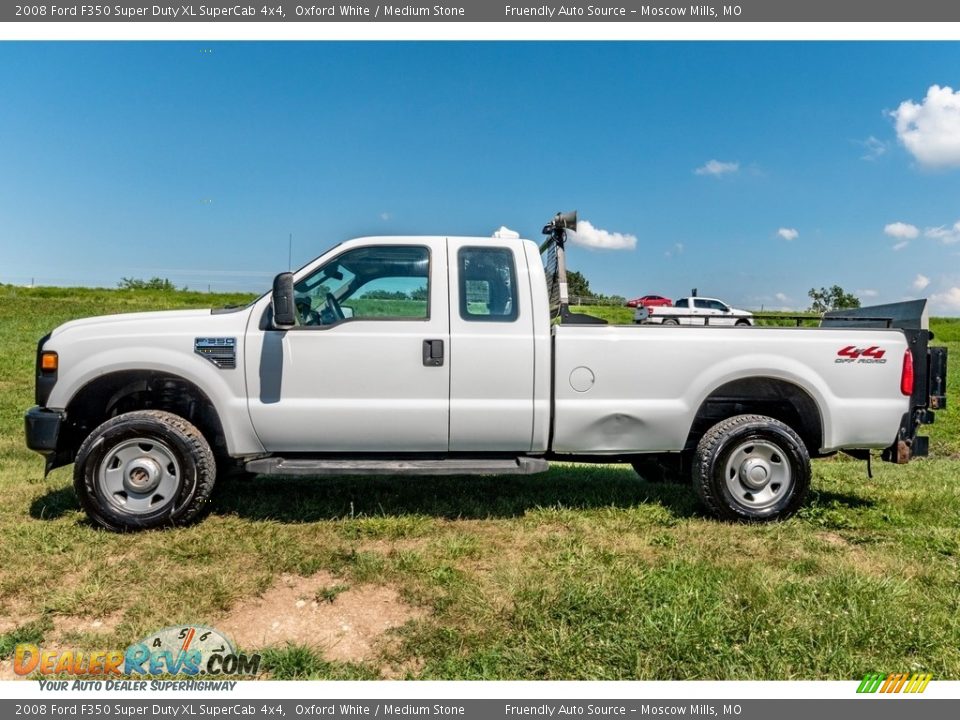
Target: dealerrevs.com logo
{"type": "Point", "coordinates": [180, 650]}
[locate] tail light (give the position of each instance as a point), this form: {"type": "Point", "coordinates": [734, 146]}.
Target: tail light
{"type": "Point", "coordinates": [906, 375]}
{"type": "Point", "coordinates": [650, 310]}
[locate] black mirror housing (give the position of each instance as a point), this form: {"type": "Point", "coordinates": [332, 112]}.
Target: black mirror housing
{"type": "Point", "coordinates": [284, 310]}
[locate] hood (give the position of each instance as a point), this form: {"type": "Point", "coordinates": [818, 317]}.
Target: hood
{"type": "Point", "coordinates": [138, 317]}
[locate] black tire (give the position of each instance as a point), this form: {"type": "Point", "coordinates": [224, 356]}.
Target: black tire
{"type": "Point", "coordinates": [751, 467]}
{"type": "Point", "coordinates": [670, 321]}
{"type": "Point", "coordinates": [661, 468]}
{"type": "Point", "coordinates": [742, 323]}
{"type": "Point", "coordinates": [144, 469]}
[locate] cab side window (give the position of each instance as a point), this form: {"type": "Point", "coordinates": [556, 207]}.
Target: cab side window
{"type": "Point", "coordinates": [388, 282]}
{"type": "Point", "coordinates": [488, 284]}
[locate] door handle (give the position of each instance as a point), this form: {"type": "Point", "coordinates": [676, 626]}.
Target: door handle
{"type": "Point", "coordinates": [433, 353]}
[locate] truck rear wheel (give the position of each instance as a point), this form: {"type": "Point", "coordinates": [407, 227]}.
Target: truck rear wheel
{"type": "Point", "coordinates": [144, 469]}
{"type": "Point", "coordinates": [751, 467]}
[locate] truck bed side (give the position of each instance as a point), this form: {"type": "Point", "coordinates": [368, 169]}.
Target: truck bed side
{"type": "Point", "coordinates": [630, 389]}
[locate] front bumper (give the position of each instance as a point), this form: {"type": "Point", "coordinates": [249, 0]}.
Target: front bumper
{"type": "Point", "coordinates": [42, 428]}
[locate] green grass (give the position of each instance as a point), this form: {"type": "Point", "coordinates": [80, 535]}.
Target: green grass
{"type": "Point", "coordinates": [585, 572]}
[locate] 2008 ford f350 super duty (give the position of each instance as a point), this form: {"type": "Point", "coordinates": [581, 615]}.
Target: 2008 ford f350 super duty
{"type": "Point", "coordinates": [451, 355]}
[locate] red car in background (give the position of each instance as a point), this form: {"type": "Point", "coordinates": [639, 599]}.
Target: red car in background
{"type": "Point", "coordinates": [650, 301]}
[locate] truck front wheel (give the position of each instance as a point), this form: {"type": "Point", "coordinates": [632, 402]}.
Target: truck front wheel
{"type": "Point", "coordinates": [142, 470]}
{"type": "Point", "coordinates": [751, 467]}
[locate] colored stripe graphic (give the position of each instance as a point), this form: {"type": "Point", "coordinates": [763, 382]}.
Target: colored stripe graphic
{"type": "Point", "coordinates": [870, 683]}
{"type": "Point", "coordinates": [894, 683]}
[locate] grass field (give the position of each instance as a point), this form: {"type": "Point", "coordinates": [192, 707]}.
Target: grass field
{"type": "Point", "coordinates": [587, 572]}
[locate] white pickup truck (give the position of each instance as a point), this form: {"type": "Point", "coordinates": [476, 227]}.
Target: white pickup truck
{"type": "Point", "coordinates": [695, 311]}
{"type": "Point", "coordinates": [446, 355]}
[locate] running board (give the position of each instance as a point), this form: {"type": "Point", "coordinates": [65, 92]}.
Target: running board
{"type": "Point", "coordinates": [297, 466]}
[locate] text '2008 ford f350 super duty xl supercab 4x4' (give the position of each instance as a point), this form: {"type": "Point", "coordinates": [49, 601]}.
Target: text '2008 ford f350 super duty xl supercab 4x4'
{"type": "Point", "coordinates": [457, 356]}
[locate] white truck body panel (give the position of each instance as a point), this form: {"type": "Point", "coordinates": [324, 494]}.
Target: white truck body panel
{"type": "Point", "coordinates": [650, 381]}
{"type": "Point", "coordinates": [504, 387]}
{"type": "Point", "coordinates": [492, 365]}
{"type": "Point", "coordinates": [542, 331]}
{"type": "Point", "coordinates": [361, 386]}
{"type": "Point", "coordinates": [164, 342]}
{"type": "Point", "coordinates": [357, 386]}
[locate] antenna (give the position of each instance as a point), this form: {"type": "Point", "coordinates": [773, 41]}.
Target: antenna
{"type": "Point", "coordinates": [290, 253]}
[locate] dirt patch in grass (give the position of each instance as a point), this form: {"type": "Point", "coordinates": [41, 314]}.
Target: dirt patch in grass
{"type": "Point", "coordinates": [833, 538]}
{"type": "Point", "coordinates": [874, 563]}
{"type": "Point", "coordinates": [10, 621]}
{"type": "Point", "coordinates": [6, 671]}
{"type": "Point", "coordinates": [345, 622]}
{"type": "Point", "coordinates": [64, 627]}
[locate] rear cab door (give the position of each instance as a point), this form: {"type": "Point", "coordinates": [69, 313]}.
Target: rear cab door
{"type": "Point", "coordinates": [492, 346]}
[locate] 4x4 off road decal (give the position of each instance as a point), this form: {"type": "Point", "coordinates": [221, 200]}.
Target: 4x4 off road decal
{"type": "Point", "coordinates": [853, 354]}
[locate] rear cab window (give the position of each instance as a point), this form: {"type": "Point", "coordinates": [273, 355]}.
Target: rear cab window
{"type": "Point", "coordinates": [488, 284]}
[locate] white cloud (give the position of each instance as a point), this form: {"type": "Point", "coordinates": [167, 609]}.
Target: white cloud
{"type": "Point", "coordinates": [782, 297]}
{"type": "Point", "coordinates": [930, 130]}
{"type": "Point", "coordinates": [788, 233]}
{"type": "Point", "coordinates": [716, 168]}
{"type": "Point", "coordinates": [948, 301]}
{"type": "Point", "coordinates": [901, 230]}
{"type": "Point", "coordinates": [385, 216]}
{"type": "Point", "coordinates": [677, 250]}
{"type": "Point", "coordinates": [946, 235]}
{"type": "Point", "coordinates": [506, 233]}
{"type": "Point", "coordinates": [874, 148]}
{"type": "Point", "coordinates": [901, 245]}
{"type": "Point", "coordinates": [587, 235]}
{"type": "Point", "coordinates": [920, 282]}
{"type": "Point", "coordinates": [868, 293]}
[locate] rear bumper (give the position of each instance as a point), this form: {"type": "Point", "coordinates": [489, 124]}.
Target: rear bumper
{"type": "Point", "coordinates": [42, 429]}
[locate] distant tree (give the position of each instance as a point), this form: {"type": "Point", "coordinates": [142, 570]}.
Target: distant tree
{"type": "Point", "coordinates": [578, 285]}
{"type": "Point", "coordinates": [154, 283]}
{"type": "Point", "coordinates": [419, 294]}
{"type": "Point", "coordinates": [384, 295]}
{"type": "Point", "coordinates": [834, 298]}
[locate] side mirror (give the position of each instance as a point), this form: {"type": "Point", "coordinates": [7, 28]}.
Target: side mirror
{"type": "Point", "coordinates": [284, 310]}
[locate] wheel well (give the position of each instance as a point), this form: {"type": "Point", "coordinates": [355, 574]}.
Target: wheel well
{"type": "Point", "coordinates": [119, 392]}
{"type": "Point", "coordinates": [779, 399]}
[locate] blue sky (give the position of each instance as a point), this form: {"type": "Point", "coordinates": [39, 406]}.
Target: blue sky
{"type": "Point", "coordinates": [194, 161]}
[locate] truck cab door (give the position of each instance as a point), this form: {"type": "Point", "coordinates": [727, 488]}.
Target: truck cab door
{"type": "Point", "coordinates": [366, 367]}
{"type": "Point", "coordinates": [701, 308]}
{"type": "Point", "coordinates": [491, 347]}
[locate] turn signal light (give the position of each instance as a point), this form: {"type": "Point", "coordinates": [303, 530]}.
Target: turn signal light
{"type": "Point", "coordinates": [906, 376]}
{"type": "Point", "coordinates": [49, 361]}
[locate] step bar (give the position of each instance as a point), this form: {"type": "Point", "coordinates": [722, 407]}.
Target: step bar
{"type": "Point", "coordinates": [471, 466]}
